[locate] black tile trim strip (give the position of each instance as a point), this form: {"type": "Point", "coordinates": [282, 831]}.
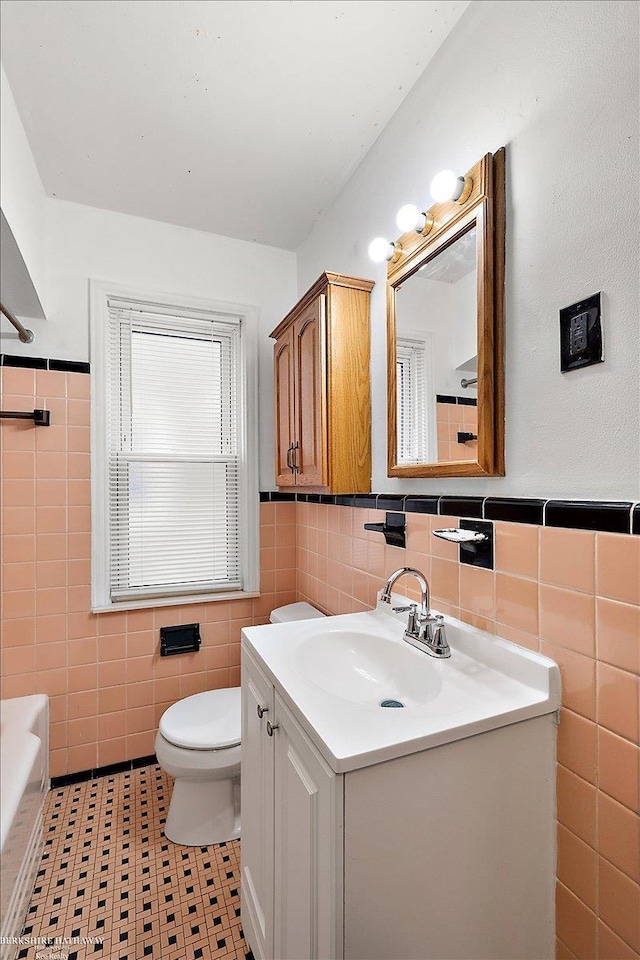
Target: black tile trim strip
{"type": "Point", "coordinates": [445, 398]}
{"type": "Point", "coordinates": [514, 509]}
{"type": "Point", "coordinates": [29, 363]}
{"type": "Point", "coordinates": [615, 516]}
{"type": "Point", "coordinates": [463, 401]}
{"type": "Point", "coordinates": [69, 366]}
{"type": "Point", "coordinates": [82, 775]}
{"type": "Point", "coordinates": [390, 501]}
{"type": "Point", "coordinates": [461, 506]}
{"type": "Point", "coordinates": [589, 515]}
{"type": "Point", "coordinates": [421, 504]}
{"type": "Point", "coordinates": [41, 363]}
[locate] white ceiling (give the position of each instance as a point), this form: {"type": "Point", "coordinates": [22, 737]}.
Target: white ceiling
{"type": "Point", "coordinates": [239, 117]}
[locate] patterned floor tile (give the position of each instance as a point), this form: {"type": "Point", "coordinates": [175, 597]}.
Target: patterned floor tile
{"type": "Point", "coordinates": [109, 875]}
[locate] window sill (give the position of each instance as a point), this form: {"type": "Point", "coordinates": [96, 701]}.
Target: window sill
{"type": "Point", "coordinates": [182, 601]}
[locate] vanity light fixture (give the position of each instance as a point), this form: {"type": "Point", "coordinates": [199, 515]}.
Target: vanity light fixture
{"type": "Point", "coordinates": [447, 186]}
{"type": "Point", "coordinates": [381, 249]}
{"type": "Point", "coordinates": [411, 218]}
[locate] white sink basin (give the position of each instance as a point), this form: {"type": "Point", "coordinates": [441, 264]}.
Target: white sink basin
{"type": "Point", "coordinates": [336, 672]}
{"type": "Point", "coordinates": [365, 668]}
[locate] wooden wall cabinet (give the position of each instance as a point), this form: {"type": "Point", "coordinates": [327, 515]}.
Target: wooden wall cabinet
{"type": "Point", "coordinates": [322, 389]}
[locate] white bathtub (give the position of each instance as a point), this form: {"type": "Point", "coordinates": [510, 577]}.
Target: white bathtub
{"type": "Point", "coordinates": [24, 781]}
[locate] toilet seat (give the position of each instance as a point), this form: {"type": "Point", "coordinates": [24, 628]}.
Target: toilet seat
{"type": "Point", "coordinates": [204, 721]}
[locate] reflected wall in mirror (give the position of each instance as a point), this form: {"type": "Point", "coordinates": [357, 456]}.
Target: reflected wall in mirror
{"type": "Point", "coordinates": [444, 321]}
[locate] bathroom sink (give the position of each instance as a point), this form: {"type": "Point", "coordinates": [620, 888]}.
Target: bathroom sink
{"type": "Point", "coordinates": [364, 695]}
{"type": "Point", "coordinates": [366, 668]}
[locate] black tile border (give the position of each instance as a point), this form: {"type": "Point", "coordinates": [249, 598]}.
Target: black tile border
{"type": "Point", "coordinates": [445, 398]}
{"type": "Point", "coordinates": [67, 779]}
{"type": "Point", "coordinates": [463, 401]}
{"type": "Point", "coordinates": [420, 504]}
{"type": "Point", "coordinates": [42, 363]}
{"type": "Point", "coordinates": [461, 506]}
{"type": "Point", "coordinates": [615, 516]}
{"type": "Point", "coordinates": [28, 363]}
{"type": "Point", "coordinates": [589, 515]}
{"type": "Point", "coordinates": [69, 366]}
{"type": "Point", "coordinates": [514, 510]}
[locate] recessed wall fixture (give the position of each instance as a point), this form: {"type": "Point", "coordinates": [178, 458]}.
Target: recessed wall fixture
{"type": "Point", "coordinates": [381, 249]}
{"type": "Point", "coordinates": [447, 186]}
{"type": "Point", "coordinates": [411, 217]}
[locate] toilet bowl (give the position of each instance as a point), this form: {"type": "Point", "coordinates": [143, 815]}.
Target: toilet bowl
{"type": "Point", "coordinates": [198, 743]}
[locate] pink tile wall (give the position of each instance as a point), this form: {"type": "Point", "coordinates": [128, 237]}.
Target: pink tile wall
{"type": "Point", "coordinates": [575, 597]}
{"type": "Point", "coordinates": [107, 683]}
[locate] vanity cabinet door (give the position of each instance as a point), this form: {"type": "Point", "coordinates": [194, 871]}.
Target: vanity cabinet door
{"type": "Point", "coordinates": [257, 809]}
{"type": "Point", "coordinates": [308, 847]}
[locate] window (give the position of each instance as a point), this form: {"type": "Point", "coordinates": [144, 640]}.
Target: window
{"type": "Point", "coordinates": [414, 399]}
{"type": "Point", "coordinates": [175, 486]}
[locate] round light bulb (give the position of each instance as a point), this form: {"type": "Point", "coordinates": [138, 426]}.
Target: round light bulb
{"type": "Point", "coordinates": [409, 218]}
{"type": "Point", "coordinates": [380, 249]}
{"type": "Point", "coordinates": [444, 186]}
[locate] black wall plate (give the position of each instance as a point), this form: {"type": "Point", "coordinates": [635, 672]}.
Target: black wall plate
{"type": "Point", "coordinates": [183, 638]}
{"type": "Point", "coordinates": [478, 555]}
{"type": "Point", "coordinates": [581, 334]}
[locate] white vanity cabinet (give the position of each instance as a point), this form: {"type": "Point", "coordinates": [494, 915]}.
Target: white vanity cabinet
{"type": "Point", "coordinates": [291, 832]}
{"type": "Point", "coordinates": [436, 843]}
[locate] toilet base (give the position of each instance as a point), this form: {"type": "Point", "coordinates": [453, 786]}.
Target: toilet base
{"type": "Point", "coordinates": [204, 812]}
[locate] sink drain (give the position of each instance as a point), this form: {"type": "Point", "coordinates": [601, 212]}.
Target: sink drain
{"type": "Point", "coordinates": [391, 703]}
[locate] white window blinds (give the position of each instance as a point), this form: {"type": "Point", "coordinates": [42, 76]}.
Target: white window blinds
{"type": "Point", "coordinates": [412, 419]}
{"type": "Point", "coordinates": [173, 438]}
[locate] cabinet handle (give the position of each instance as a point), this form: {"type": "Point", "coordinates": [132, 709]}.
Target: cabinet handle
{"type": "Point", "coordinates": [294, 456]}
{"type": "Point", "coordinates": [289, 456]}
{"type": "Point", "coordinates": [271, 727]}
{"type": "Point", "coordinates": [262, 710]}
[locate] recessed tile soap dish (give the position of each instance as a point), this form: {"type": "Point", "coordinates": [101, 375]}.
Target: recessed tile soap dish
{"type": "Point", "coordinates": [457, 535]}
{"type": "Point", "coordinates": [475, 539]}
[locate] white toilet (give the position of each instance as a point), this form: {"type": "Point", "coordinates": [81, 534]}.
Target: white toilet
{"type": "Point", "coordinates": [198, 743]}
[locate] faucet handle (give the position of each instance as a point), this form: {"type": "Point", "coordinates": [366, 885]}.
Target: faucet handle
{"type": "Point", "coordinates": [410, 606]}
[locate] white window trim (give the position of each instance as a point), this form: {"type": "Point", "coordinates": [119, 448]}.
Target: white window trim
{"type": "Point", "coordinates": [99, 292]}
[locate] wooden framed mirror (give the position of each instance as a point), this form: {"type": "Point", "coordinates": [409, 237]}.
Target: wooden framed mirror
{"type": "Point", "coordinates": [445, 341]}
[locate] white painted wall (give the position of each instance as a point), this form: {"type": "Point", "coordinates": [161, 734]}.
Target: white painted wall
{"type": "Point", "coordinates": [85, 243]}
{"type": "Point", "coordinates": [556, 82]}
{"type": "Point", "coordinates": [22, 199]}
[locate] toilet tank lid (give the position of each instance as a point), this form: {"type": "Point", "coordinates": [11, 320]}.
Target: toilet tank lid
{"type": "Point", "coordinates": [204, 721]}
{"type": "Point", "coordinates": [294, 611]}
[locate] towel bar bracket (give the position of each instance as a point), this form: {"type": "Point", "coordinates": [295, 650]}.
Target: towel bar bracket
{"type": "Point", "coordinates": [41, 418]}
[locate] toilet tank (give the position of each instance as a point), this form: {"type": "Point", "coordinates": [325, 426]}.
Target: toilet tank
{"type": "Point", "coordinates": [294, 611]}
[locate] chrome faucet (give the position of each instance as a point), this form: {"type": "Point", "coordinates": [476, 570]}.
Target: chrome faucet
{"type": "Point", "coordinates": [425, 630]}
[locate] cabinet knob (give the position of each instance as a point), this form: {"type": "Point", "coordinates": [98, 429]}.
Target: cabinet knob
{"type": "Point", "coordinates": [262, 710]}
{"type": "Point", "coordinates": [271, 727]}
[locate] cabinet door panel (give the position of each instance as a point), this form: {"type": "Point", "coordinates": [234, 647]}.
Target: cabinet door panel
{"type": "Point", "coordinates": [311, 435]}
{"type": "Point", "coordinates": [308, 848]}
{"type": "Point", "coordinates": [257, 810]}
{"type": "Point", "coordinates": [284, 372]}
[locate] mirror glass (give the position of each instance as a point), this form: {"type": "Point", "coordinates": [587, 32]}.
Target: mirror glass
{"type": "Point", "coordinates": [436, 351]}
